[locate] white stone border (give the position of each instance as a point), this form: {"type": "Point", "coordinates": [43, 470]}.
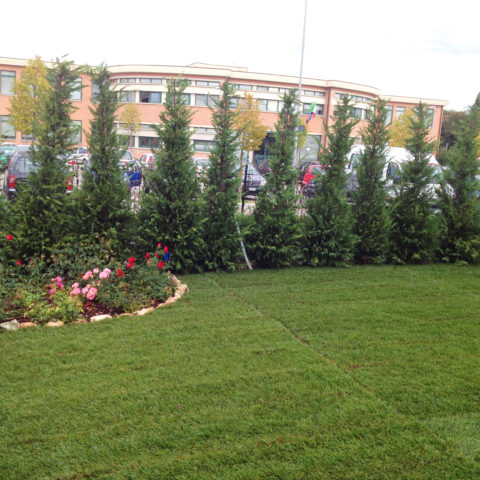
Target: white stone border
{"type": "Point", "coordinates": [180, 290]}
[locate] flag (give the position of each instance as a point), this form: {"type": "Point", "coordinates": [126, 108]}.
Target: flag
{"type": "Point", "coordinates": [312, 113]}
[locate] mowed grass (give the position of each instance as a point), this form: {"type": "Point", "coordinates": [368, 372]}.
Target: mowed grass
{"type": "Point", "coordinates": [359, 373]}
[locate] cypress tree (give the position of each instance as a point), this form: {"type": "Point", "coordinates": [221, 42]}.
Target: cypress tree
{"type": "Point", "coordinates": [42, 214]}
{"type": "Point", "coordinates": [103, 199]}
{"type": "Point", "coordinates": [413, 226]}
{"type": "Point", "coordinates": [371, 222]}
{"type": "Point", "coordinates": [169, 212]}
{"type": "Point", "coordinates": [328, 223]}
{"type": "Point", "coordinates": [276, 230]}
{"type": "Point", "coordinates": [460, 238]}
{"type": "Point", "coordinates": [221, 240]}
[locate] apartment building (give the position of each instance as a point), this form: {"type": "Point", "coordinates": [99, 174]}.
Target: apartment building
{"type": "Point", "coordinates": [146, 86]}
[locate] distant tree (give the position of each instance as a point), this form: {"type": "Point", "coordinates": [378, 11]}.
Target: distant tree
{"type": "Point", "coordinates": [328, 238]}
{"type": "Point", "coordinates": [42, 214]}
{"type": "Point", "coordinates": [460, 238]}
{"type": "Point", "coordinates": [251, 131]}
{"type": "Point", "coordinates": [413, 227]}
{"type": "Point", "coordinates": [276, 231]}
{"type": "Point", "coordinates": [371, 221]}
{"type": "Point", "coordinates": [170, 211]}
{"type": "Point", "coordinates": [28, 94]}
{"type": "Point", "coordinates": [103, 200]}
{"type": "Point", "coordinates": [399, 129]}
{"type": "Point", "coordinates": [223, 248]}
{"type": "Point", "coordinates": [452, 121]}
{"type": "Point", "coordinates": [131, 119]}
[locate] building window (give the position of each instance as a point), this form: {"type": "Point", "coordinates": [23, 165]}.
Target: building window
{"type": "Point", "coordinates": [202, 145]}
{"type": "Point", "coordinates": [203, 100]}
{"type": "Point", "coordinates": [207, 83]}
{"type": "Point", "coordinates": [388, 119]}
{"type": "Point", "coordinates": [150, 97]}
{"type": "Point", "coordinates": [318, 109]}
{"type": "Point", "coordinates": [357, 113]}
{"type": "Point", "coordinates": [262, 88]}
{"type": "Point", "coordinates": [95, 91]}
{"type": "Point", "coordinates": [7, 80]}
{"type": "Point", "coordinates": [399, 111]}
{"type": "Point", "coordinates": [313, 93]}
{"type": "Point", "coordinates": [77, 93]}
{"type": "Point", "coordinates": [204, 130]}
{"type": "Point", "coordinates": [234, 103]}
{"type": "Point", "coordinates": [8, 130]}
{"type": "Point", "coordinates": [185, 97]}
{"type": "Point", "coordinates": [269, 105]}
{"type": "Point", "coordinates": [147, 142]}
{"type": "Point", "coordinates": [155, 81]}
{"type": "Point", "coordinates": [242, 86]}
{"type": "Point", "coordinates": [128, 80]}
{"type": "Point", "coordinates": [126, 97]}
{"type": "Point", "coordinates": [283, 90]}
{"type": "Point", "coordinates": [77, 133]}
{"type": "Point", "coordinates": [430, 115]}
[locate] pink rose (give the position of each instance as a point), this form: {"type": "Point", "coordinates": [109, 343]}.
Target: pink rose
{"type": "Point", "coordinates": [87, 275]}
{"type": "Point", "coordinates": [95, 270]}
{"type": "Point", "coordinates": [76, 291]}
{"type": "Point", "coordinates": [51, 291]}
{"type": "Point", "coordinates": [103, 275]}
{"type": "Point", "coordinates": [75, 285]}
{"type": "Point", "coordinates": [91, 293]}
{"type": "Point", "coordinates": [85, 290]}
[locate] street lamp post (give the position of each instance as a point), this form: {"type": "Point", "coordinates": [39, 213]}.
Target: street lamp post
{"type": "Point", "coordinates": [300, 79]}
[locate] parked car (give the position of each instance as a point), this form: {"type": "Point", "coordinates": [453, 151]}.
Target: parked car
{"type": "Point", "coordinates": [252, 181]}
{"type": "Point", "coordinates": [79, 155]}
{"type": "Point", "coordinates": [396, 157]}
{"type": "Point", "coordinates": [6, 152]}
{"type": "Point", "coordinates": [147, 160]}
{"type": "Point", "coordinates": [21, 166]}
{"type": "Point", "coordinates": [310, 176]}
{"type": "Point", "coordinates": [126, 157]}
{"type": "Point", "coordinates": [201, 165]}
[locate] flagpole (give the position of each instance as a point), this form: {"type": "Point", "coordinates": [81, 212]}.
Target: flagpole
{"type": "Point", "coordinates": [300, 79]}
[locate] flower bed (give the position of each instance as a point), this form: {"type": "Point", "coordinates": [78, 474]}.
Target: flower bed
{"type": "Point", "coordinates": [112, 290]}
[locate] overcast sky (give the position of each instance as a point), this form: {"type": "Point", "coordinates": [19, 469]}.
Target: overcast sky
{"type": "Point", "coordinates": [416, 48]}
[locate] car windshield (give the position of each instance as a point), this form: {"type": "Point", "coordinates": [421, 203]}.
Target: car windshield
{"type": "Point", "coordinates": [23, 166]}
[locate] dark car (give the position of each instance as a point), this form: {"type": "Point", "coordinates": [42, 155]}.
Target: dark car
{"type": "Point", "coordinates": [21, 166]}
{"type": "Point", "coordinates": [252, 181]}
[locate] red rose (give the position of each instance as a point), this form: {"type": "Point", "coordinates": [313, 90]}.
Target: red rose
{"type": "Point", "coordinates": [160, 264]}
{"type": "Point", "coordinates": [157, 255]}
{"type": "Point", "coordinates": [129, 266]}
{"type": "Point", "coordinates": [9, 237]}
{"type": "Point", "coordinates": [147, 255]}
{"type": "Point", "coordinates": [19, 262]}
{"type": "Point", "coordinates": [159, 245]}
{"type": "Point", "coordinates": [131, 260]}
{"type": "Point", "coordinates": [119, 272]}
{"type": "Point", "coordinates": [165, 249]}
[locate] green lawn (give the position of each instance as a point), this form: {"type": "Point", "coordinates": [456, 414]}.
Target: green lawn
{"type": "Point", "coordinates": [359, 373]}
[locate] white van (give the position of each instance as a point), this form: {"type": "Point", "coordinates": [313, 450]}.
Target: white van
{"type": "Point", "coordinates": [396, 157]}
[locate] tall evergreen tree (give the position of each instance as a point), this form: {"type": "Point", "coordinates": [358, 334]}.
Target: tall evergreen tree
{"type": "Point", "coordinates": [222, 245]}
{"type": "Point", "coordinates": [460, 239]}
{"type": "Point", "coordinates": [328, 223]}
{"type": "Point", "coordinates": [42, 214]}
{"type": "Point", "coordinates": [103, 199]}
{"type": "Point", "coordinates": [276, 230]}
{"type": "Point", "coordinates": [170, 211]}
{"type": "Point", "coordinates": [413, 226]}
{"type": "Point", "coordinates": [371, 222]}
